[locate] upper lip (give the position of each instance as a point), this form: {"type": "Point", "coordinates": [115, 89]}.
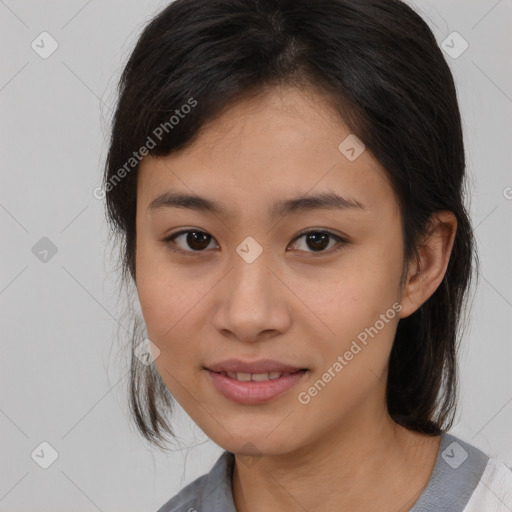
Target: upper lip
{"type": "Point", "coordinates": [259, 366]}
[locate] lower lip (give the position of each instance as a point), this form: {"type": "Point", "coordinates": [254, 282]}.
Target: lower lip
{"type": "Point", "coordinates": [253, 392]}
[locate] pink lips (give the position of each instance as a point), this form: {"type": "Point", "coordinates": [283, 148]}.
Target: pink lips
{"type": "Point", "coordinates": [251, 392]}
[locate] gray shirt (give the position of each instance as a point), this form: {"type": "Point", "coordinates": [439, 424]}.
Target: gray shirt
{"type": "Point", "coordinates": [457, 472]}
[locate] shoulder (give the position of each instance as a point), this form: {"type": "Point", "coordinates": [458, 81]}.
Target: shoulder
{"type": "Point", "coordinates": [494, 491]}
{"type": "Point", "coordinates": [462, 479]}
{"type": "Point", "coordinates": [188, 498]}
{"type": "Point", "coordinates": [211, 491]}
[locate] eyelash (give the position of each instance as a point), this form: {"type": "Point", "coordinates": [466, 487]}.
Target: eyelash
{"type": "Point", "coordinates": [169, 241]}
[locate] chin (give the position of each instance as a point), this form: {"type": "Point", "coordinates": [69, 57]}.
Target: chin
{"type": "Point", "coordinates": [256, 445]}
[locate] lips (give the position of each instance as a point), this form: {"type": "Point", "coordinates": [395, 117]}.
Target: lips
{"type": "Point", "coordinates": [259, 367]}
{"type": "Point", "coordinates": [253, 392]}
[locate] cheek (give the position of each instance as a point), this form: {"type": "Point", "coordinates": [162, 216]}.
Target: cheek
{"type": "Point", "coordinates": [163, 297]}
{"type": "Point", "coordinates": [174, 302]}
{"type": "Point", "coordinates": [364, 285]}
{"type": "Point", "coordinates": [355, 305]}
{"type": "Point", "coordinates": [164, 307]}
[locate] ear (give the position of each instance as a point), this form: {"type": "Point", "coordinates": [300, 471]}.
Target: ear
{"type": "Point", "coordinates": [425, 275]}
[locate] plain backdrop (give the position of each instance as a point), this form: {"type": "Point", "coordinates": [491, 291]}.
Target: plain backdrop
{"type": "Point", "coordinates": [62, 374]}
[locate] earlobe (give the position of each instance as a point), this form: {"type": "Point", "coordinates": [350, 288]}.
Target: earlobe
{"type": "Point", "coordinates": [426, 274]}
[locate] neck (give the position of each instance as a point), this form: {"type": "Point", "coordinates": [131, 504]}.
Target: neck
{"type": "Point", "coordinates": [364, 465]}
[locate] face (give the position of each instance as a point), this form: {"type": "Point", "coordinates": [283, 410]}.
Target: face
{"type": "Point", "coordinates": [314, 286]}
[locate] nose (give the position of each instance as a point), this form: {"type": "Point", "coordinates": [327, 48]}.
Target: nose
{"type": "Point", "coordinates": [253, 303]}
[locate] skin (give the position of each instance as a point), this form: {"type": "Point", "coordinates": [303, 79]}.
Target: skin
{"type": "Point", "coordinates": [341, 451]}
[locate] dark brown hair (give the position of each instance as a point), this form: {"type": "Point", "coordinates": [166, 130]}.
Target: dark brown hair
{"type": "Point", "coordinates": [380, 65]}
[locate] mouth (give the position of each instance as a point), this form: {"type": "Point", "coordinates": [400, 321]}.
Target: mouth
{"type": "Point", "coordinates": [258, 377]}
{"type": "Point", "coordinates": [255, 388]}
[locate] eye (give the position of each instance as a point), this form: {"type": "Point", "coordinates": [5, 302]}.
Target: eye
{"type": "Point", "coordinates": [320, 239]}
{"type": "Point", "coordinates": [195, 239]}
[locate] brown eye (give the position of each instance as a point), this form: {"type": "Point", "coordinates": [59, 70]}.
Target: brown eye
{"type": "Point", "coordinates": [317, 241]}
{"type": "Point", "coordinates": [192, 241]}
{"type": "Point", "coordinates": [197, 240]}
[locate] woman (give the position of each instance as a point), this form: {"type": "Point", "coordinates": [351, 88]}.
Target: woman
{"type": "Point", "coordinates": [287, 178]}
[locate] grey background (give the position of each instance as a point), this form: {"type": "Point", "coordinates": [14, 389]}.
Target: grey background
{"type": "Point", "coordinates": [62, 373]}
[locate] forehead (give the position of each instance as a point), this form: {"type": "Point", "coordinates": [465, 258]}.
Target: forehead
{"type": "Point", "coordinates": [281, 143]}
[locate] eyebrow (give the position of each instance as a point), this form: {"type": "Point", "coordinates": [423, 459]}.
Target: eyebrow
{"type": "Point", "coordinates": [326, 201]}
